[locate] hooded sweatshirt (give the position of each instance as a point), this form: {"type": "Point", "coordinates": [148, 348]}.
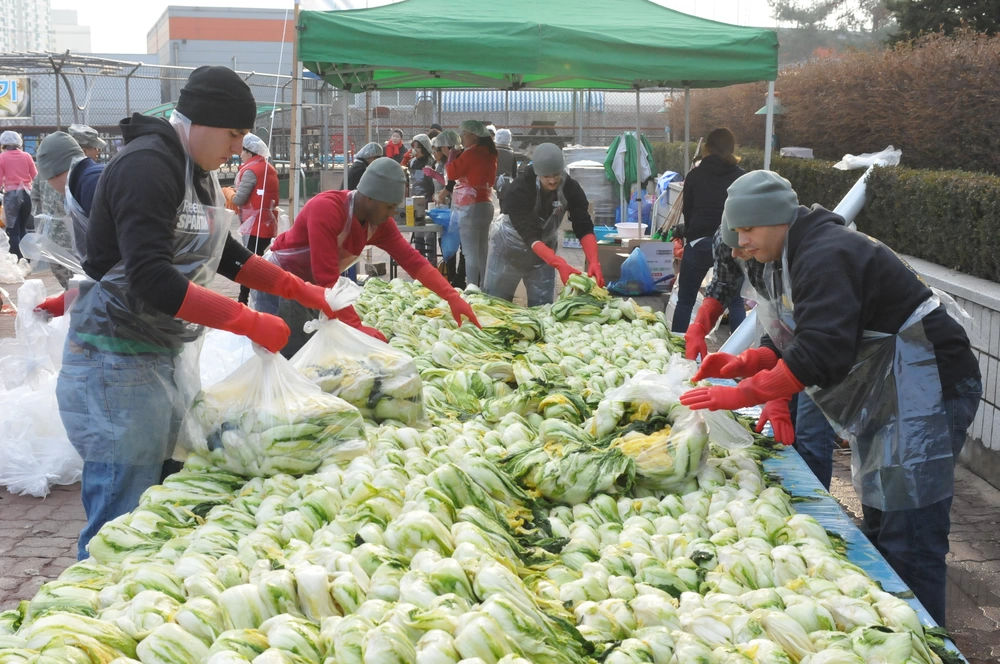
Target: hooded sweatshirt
{"type": "Point", "coordinates": [529, 207]}
{"type": "Point", "coordinates": [133, 216]}
{"type": "Point", "coordinates": [845, 282]}
{"type": "Point", "coordinates": [705, 196]}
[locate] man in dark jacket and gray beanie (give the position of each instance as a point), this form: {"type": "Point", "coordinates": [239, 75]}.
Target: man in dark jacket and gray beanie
{"type": "Point", "coordinates": [879, 354]}
{"type": "Point", "coordinates": [523, 247]}
{"type": "Point", "coordinates": [159, 232]}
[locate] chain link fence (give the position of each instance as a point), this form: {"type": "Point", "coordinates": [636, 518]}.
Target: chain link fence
{"type": "Point", "coordinates": [100, 92]}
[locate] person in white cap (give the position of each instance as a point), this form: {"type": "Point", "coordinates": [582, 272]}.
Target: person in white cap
{"type": "Point", "coordinates": [17, 171]}
{"type": "Point", "coordinates": [256, 198]}
{"type": "Point", "coordinates": [366, 155]}
{"type": "Point", "coordinates": [331, 232]}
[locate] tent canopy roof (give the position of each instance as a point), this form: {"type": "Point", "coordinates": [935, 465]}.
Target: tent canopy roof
{"type": "Point", "coordinates": [567, 44]}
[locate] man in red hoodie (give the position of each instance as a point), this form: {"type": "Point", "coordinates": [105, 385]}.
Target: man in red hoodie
{"type": "Point", "coordinates": [333, 229]}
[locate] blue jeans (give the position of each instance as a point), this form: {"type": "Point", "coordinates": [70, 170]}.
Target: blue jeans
{"type": "Point", "coordinates": [915, 542]}
{"type": "Point", "coordinates": [122, 413]}
{"type": "Point", "coordinates": [17, 210]}
{"type": "Point", "coordinates": [697, 261]}
{"type": "Point", "coordinates": [474, 230]}
{"type": "Point", "coordinates": [814, 439]}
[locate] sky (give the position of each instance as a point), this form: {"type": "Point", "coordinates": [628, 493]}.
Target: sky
{"type": "Point", "coordinates": [120, 26]}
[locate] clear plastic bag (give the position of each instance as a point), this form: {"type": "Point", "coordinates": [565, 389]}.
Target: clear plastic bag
{"type": "Point", "coordinates": [222, 353]}
{"type": "Point", "coordinates": [35, 452]}
{"type": "Point", "coordinates": [636, 278]}
{"type": "Point", "coordinates": [12, 270]}
{"type": "Point", "coordinates": [887, 157]}
{"type": "Point", "coordinates": [648, 393]}
{"type": "Point", "coordinates": [35, 353]}
{"type": "Point", "coordinates": [381, 381]}
{"type": "Point", "coordinates": [266, 419]}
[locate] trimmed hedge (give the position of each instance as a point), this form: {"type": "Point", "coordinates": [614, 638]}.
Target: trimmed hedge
{"type": "Point", "coordinates": [951, 218]}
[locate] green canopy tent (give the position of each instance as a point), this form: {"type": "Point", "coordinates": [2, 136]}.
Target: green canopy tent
{"type": "Point", "coordinates": [561, 44]}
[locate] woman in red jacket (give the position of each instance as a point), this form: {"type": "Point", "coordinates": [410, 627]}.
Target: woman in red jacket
{"type": "Point", "coordinates": [474, 173]}
{"type": "Point", "coordinates": [256, 199]}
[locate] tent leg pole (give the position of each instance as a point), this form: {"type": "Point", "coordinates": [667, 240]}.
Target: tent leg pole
{"type": "Point", "coordinates": [347, 139]}
{"type": "Point", "coordinates": [296, 128]}
{"type": "Point", "coordinates": [769, 126]}
{"type": "Point", "coordinates": [579, 139]}
{"type": "Point", "coordinates": [368, 116]}
{"type": "Point", "coordinates": [638, 163]}
{"type": "Point", "coordinates": [506, 107]}
{"type": "Point", "coordinates": [687, 130]}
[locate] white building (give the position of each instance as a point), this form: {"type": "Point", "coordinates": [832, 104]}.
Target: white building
{"type": "Point", "coordinates": [68, 34]}
{"type": "Point", "coordinates": [24, 25]}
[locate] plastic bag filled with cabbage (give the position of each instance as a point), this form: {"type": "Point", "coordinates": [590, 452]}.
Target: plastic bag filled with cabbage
{"type": "Point", "coordinates": [669, 451]}
{"type": "Point", "coordinates": [266, 418]}
{"type": "Point", "coordinates": [379, 380]}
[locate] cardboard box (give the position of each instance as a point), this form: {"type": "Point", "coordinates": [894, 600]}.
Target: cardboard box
{"type": "Point", "coordinates": [611, 257]}
{"type": "Point", "coordinates": [659, 255]}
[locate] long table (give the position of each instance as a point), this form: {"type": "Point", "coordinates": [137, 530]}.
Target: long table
{"type": "Point", "coordinates": [801, 482]}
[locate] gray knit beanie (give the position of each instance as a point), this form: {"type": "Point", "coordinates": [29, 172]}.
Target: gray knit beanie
{"type": "Point", "coordinates": [547, 159]}
{"type": "Point", "coordinates": [384, 181]}
{"type": "Point", "coordinates": [730, 238]}
{"type": "Point", "coordinates": [759, 198]}
{"type": "Point", "coordinates": [55, 154]}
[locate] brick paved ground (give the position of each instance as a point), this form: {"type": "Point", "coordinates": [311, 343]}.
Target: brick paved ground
{"type": "Point", "coordinates": [38, 536]}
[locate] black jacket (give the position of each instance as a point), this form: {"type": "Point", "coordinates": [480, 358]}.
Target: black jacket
{"type": "Point", "coordinates": [528, 206]}
{"type": "Point", "coordinates": [506, 161]}
{"type": "Point", "coordinates": [355, 172]}
{"type": "Point", "coordinates": [843, 283]}
{"type": "Point", "coordinates": [134, 215]}
{"type": "Point", "coordinates": [705, 195]}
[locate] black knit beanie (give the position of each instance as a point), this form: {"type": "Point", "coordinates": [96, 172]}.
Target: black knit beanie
{"type": "Point", "coordinates": [216, 96]}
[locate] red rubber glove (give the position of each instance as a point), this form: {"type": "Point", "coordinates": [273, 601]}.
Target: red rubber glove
{"type": "Point", "coordinates": [261, 275]}
{"type": "Point", "coordinates": [204, 307]}
{"type": "Point", "coordinates": [549, 256]}
{"type": "Point", "coordinates": [776, 383]}
{"type": "Point", "coordinates": [589, 244]}
{"type": "Point", "coordinates": [704, 322]}
{"type": "Point", "coordinates": [435, 281]}
{"type": "Point", "coordinates": [746, 364]}
{"type": "Point", "coordinates": [776, 412]}
{"type": "Point", "coordinates": [350, 316]}
{"type": "Point", "coordinates": [54, 306]}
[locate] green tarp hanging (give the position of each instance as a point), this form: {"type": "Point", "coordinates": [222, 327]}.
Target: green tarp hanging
{"type": "Point", "coordinates": [567, 44]}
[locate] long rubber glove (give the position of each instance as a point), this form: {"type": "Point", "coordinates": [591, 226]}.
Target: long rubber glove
{"type": "Point", "coordinates": [562, 267]}
{"type": "Point", "coordinates": [694, 339]}
{"type": "Point", "coordinates": [776, 412]}
{"type": "Point", "coordinates": [434, 280]}
{"type": "Point", "coordinates": [589, 244]}
{"type": "Point", "coordinates": [776, 383]}
{"type": "Point", "coordinates": [746, 364]}
{"type": "Point", "coordinates": [350, 316]}
{"type": "Point", "coordinates": [204, 307]}
{"type": "Point", "coordinates": [57, 305]}
{"type": "Point", "coordinates": [261, 275]}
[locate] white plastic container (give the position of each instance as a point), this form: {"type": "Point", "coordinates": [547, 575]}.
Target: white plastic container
{"type": "Point", "coordinates": [629, 229]}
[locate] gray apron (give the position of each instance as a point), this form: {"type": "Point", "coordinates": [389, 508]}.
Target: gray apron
{"type": "Point", "coordinates": [509, 255]}
{"type": "Point", "coordinates": [890, 407]}
{"type": "Point", "coordinates": [109, 318]}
